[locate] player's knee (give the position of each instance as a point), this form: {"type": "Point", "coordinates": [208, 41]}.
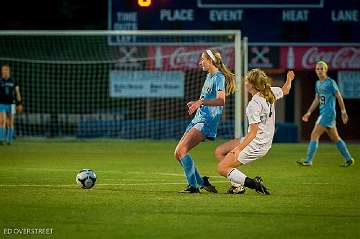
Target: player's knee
{"type": "Point", "coordinates": [221, 169]}
{"type": "Point", "coordinates": [176, 154]}
{"type": "Point", "coordinates": [180, 152]}
{"type": "Point", "coordinates": [9, 124]}
{"type": "Point", "coordinates": [335, 139]}
{"type": "Point", "coordinates": [314, 136]}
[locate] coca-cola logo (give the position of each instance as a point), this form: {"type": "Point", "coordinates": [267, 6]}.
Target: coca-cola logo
{"type": "Point", "coordinates": [341, 58]}
{"type": "Point", "coordinates": [183, 57]}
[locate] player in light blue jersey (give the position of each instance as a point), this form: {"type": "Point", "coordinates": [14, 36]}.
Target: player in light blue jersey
{"type": "Point", "coordinates": [326, 94]}
{"type": "Point", "coordinates": [209, 107]}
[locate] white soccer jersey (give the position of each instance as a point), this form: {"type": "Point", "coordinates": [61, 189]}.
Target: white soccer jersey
{"type": "Point", "coordinates": [262, 112]}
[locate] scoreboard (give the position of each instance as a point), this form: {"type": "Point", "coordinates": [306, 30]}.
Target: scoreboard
{"type": "Point", "coordinates": [262, 21]}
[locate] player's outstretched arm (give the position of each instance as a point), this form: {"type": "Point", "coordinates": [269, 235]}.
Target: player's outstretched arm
{"type": "Point", "coordinates": [340, 100]}
{"type": "Point", "coordinates": [287, 86]}
{"type": "Point", "coordinates": [311, 109]}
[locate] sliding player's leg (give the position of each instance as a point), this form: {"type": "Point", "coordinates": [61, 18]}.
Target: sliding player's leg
{"type": "Point", "coordinates": [341, 146]}
{"type": "Point", "coordinates": [228, 168]}
{"type": "Point", "coordinates": [222, 150]}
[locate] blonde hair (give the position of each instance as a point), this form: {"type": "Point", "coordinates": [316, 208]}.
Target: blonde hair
{"type": "Point", "coordinates": [324, 64]}
{"type": "Point", "coordinates": [261, 82]}
{"type": "Point", "coordinates": [230, 84]}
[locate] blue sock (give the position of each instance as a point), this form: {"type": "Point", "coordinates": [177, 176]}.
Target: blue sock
{"type": "Point", "coordinates": [199, 179]}
{"type": "Point", "coordinates": [9, 135]}
{"type": "Point", "coordinates": [313, 145]}
{"type": "Point", "coordinates": [343, 149]}
{"type": "Point", "coordinates": [2, 134]}
{"type": "Point", "coordinates": [189, 169]}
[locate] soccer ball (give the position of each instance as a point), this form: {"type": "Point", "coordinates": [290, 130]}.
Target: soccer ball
{"type": "Point", "coordinates": [86, 178]}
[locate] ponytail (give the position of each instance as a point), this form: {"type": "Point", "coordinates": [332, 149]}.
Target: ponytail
{"type": "Point", "coordinates": [230, 82]}
{"type": "Point", "coordinates": [262, 83]}
{"type": "Point", "coordinates": [268, 94]}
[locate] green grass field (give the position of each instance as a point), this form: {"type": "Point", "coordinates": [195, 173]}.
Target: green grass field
{"type": "Point", "coordinates": [136, 193]}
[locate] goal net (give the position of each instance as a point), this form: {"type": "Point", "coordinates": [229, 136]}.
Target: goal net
{"type": "Point", "coordinates": [119, 84]}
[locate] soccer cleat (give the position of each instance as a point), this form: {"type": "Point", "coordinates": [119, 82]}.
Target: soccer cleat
{"type": "Point", "coordinates": [190, 189]}
{"type": "Point", "coordinates": [260, 187]}
{"type": "Point", "coordinates": [304, 163]}
{"type": "Point", "coordinates": [207, 185]}
{"type": "Point", "coordinates": [236, 190]}
{"type": "Point", "coordinates": [348, 163]}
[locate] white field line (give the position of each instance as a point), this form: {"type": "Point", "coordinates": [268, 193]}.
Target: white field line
{"type": "Point", "coordinates": [109, 171]}
{"type": "Point", "coordinates": [161, 182]}
{"type": "Point", "coordinates": [123, 184]}
{"type": "Point", "coordinates": [98, 184]}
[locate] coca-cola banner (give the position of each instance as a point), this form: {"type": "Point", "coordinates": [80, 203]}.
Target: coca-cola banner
{"type": "Point", "coordinates": [338, 58]}
{"type": "Point", "coordinates": [183, 57]}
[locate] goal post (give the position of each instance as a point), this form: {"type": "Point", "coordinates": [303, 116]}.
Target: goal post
{"type": "Point", "coordinates": [239, 85]}
{"type": "Point", "coordinates": [245, 69]}
{"type": "Point", "coordinates": [119, 84]}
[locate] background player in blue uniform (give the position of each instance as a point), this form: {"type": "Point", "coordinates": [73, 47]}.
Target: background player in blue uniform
{"type": "Point", "coordinates": [9, 98]}
{"type": "Point", "coordinates": [326, 94]}
{"type": "Point", "coordinates": [208, 110]}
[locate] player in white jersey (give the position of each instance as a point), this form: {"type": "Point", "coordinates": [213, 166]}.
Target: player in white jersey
{"type": "Point", "coordinates": [257, 142]}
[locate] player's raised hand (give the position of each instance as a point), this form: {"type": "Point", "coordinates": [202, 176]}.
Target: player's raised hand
{"type": "Point", "coordinates": [290, 75]}
{"type": "Point", "coordinates": [306, 117]}
{"type": "Point", "coordinates": [193, 106]}
{"type": "Point", "coordinates": [344, 117]}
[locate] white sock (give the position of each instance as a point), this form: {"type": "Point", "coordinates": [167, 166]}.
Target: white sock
{"type": "Point", "coordinates": [237, 177]}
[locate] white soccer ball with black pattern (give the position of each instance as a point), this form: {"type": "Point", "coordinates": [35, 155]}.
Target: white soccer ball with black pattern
{"type": "Point", "coordinates": [86, 178]}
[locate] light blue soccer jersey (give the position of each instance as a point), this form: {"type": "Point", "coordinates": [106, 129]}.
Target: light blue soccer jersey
{"type": "Point", "coordinates": [210, 116]}
{"type": "Point", "coordinates": [326, 91]}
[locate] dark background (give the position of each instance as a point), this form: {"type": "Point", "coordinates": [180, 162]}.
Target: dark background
{"type": "Point", "coordinates": [53, 15]}
{"type": "Point", "coordinates": [92, 15]}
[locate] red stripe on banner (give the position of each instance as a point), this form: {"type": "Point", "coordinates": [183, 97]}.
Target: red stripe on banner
{"type": "Point", "coordinates": [338, 58]}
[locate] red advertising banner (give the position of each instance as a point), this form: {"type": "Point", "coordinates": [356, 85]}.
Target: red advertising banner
{"type": "Point", "coordinates": [183, 57]}
{"type": "Point", "coordinates": [338, 58]}
{"type": "Point", "coordinates": [187, 57]}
